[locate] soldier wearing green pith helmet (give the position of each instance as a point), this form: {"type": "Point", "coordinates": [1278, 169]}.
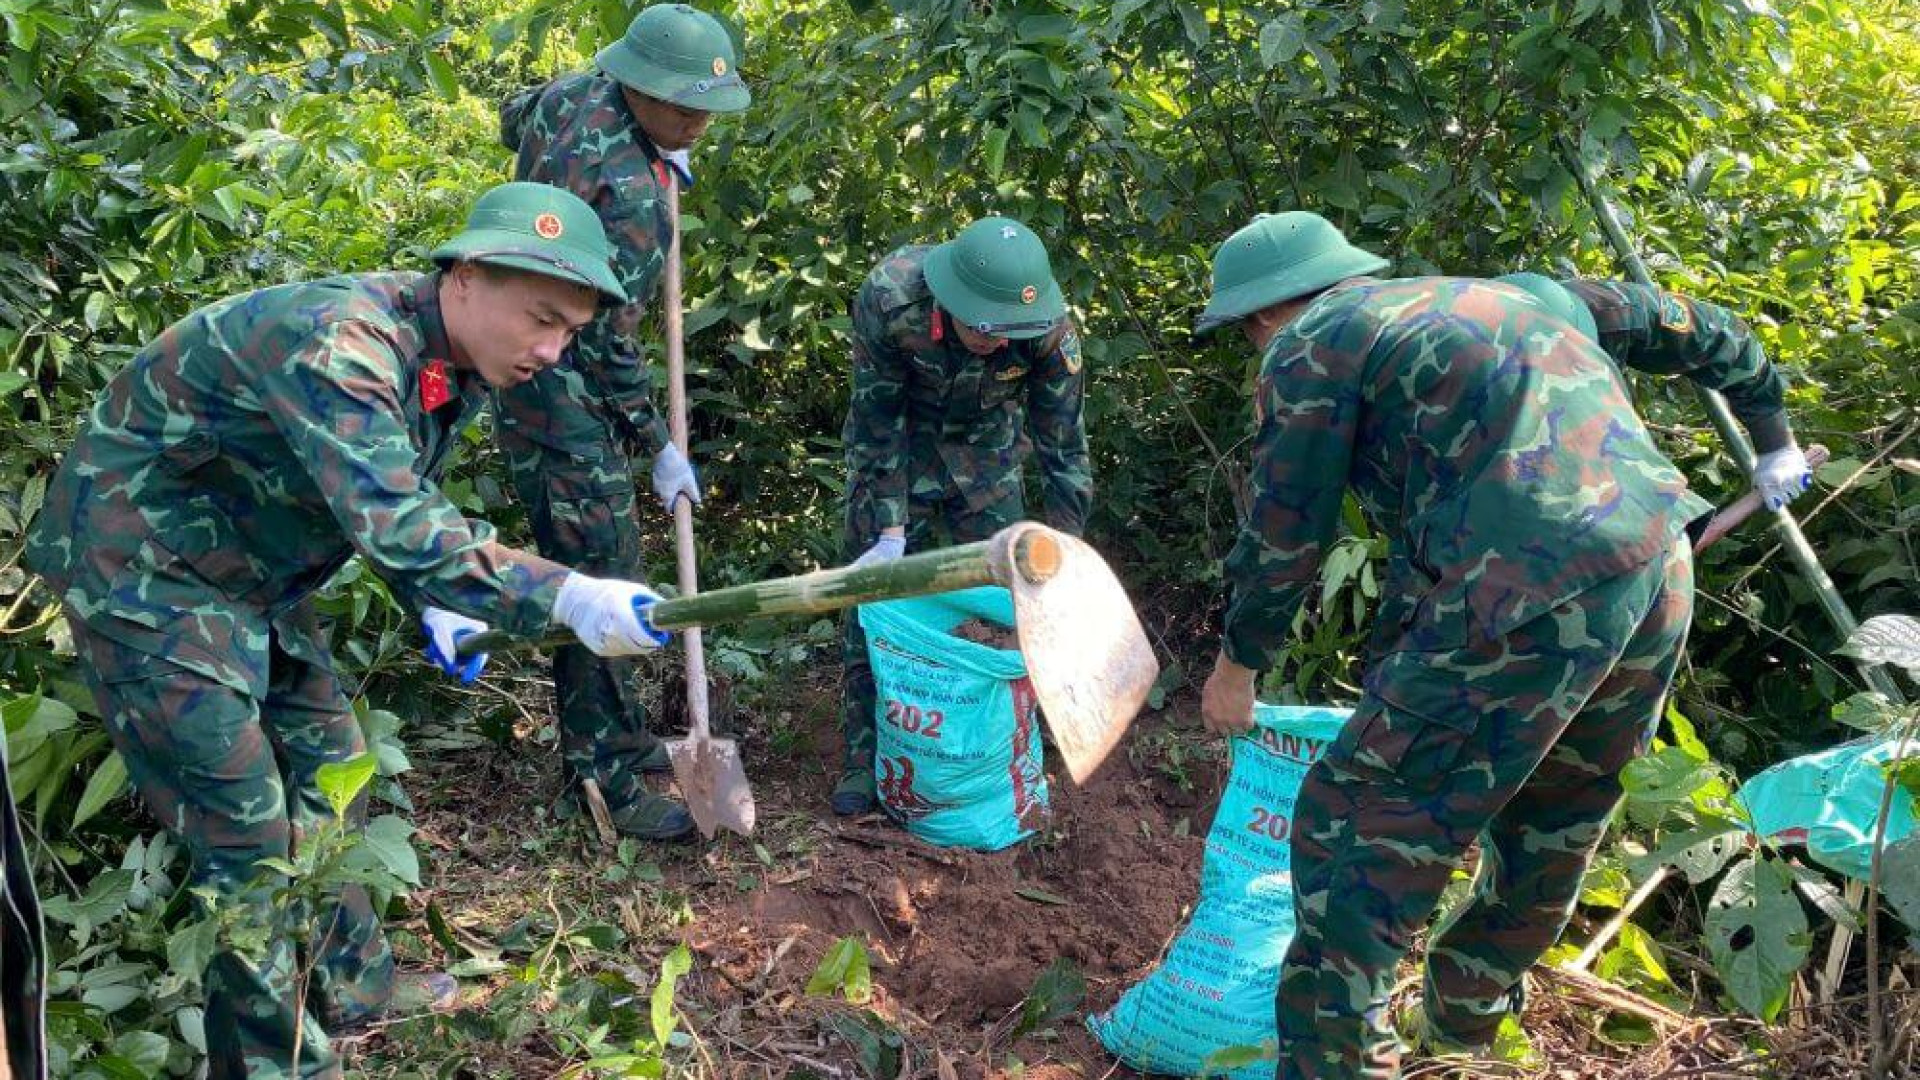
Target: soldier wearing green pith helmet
{"type": "Point", "coordinates": [618, 137]}
{"type": "Point", "coordinates": [963, 357]}
{"type": "Point", "coordinates": [226, 473]}
{"type": "Point", "coordinates": [1539, 590]}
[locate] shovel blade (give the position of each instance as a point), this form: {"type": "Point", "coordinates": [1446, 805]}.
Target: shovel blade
{"type": "Point", "coordinates": [714, 782]}
{"type": "Point", "coordinates": [1087, 656]}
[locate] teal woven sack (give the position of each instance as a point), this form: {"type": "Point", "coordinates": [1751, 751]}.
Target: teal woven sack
{"type": "Point", "coordinates": [958, 759]}
{"type": "Point", "coordinates": [1214, 991]}
{"type": "Point", "coordinates": [1830, 801]}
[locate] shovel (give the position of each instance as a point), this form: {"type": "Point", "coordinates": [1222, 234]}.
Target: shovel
{"type": "Point", "coordinates": [1087, 657]}
{"type": "Point", "coordinates": [708, 770]}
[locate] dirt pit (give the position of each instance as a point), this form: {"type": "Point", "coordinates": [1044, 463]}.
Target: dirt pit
{"type": "Point", "coordinates": [958, 938]}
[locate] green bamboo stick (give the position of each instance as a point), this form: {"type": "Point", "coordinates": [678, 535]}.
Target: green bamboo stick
{"type": "Point", "coordinates": [1027, 551]}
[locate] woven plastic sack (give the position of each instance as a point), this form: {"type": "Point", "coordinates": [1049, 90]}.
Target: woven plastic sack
{"type": "Point", "coordinates": [1830, 801]}
{"type": "Point", "coordinates": [1214, 991]}
{"type": "Point", "coordinates": [958, 759]}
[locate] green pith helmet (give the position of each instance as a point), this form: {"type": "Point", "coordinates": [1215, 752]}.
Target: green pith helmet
{"type": "Point", "coordinates": [537, 228]}
{"type": "Point", "coordinates": [1555, 298]}
{"type": "Point", "coordinates": [680, 55]}
{"type": "Point", "coordinates": [1279, 257]}
{"type": "Point", "coordinates": [995, 278]}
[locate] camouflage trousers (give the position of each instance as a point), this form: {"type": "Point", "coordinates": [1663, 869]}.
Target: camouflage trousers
{"type": "Point", "coordinates": [233, 777]}
{"type": "Point", "coordinates": [934, 519]}
{"type": "Point", "coordinates": [581, 509]}
{"type": "Point", "coordinates": [1518, 743]}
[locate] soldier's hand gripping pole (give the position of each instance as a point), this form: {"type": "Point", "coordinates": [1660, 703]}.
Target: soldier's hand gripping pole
{"type": "Point", "coordinates": [1791, 538]}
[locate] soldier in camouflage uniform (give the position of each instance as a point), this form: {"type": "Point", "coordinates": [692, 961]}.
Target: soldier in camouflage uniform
{"type": "Point", "coordinates": [238, 461]}
{"type": "Point", "coordinates": [1538, 596]}
{"type": "Point", "coordinates": [617, 137]}
{"type": "Point", "coordinates": [963, 356]}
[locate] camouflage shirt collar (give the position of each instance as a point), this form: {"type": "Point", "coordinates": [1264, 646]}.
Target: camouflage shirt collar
{"type": "Point", "coordinates": [423, 300]}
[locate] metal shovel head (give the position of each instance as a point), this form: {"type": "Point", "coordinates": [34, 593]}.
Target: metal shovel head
{"type": "Point", "coordinates": [1087, 656]}
{"type": "Point", "coordinates": [714, 783]}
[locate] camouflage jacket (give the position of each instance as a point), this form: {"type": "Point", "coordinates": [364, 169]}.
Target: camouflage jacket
{"type": "Point", "coordinates": [1497, 448]}
{"type": "Point", "coordinates": [248, 452]}
{"type": "Point", "coordinates": [577, 133]}
{"type": "Point", "coordinates": [1652, 330]}
{"type": "Point", "coordinates": [923, 407]}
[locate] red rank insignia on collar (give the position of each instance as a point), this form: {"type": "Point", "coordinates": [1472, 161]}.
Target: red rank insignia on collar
{"type": "Point", "coordinates": [939, 329]}
{"type": "Point", "coordinates": [436, 389]}
{"type": "Point", "coordinates": [660, 173]}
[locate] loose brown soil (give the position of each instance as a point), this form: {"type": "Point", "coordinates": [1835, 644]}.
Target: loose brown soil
{"type": "Point", "coordinates": [956, 938]}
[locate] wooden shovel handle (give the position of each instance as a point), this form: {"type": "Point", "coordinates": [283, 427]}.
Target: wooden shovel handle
{"type": "Point", "coordinates": [698, 728]}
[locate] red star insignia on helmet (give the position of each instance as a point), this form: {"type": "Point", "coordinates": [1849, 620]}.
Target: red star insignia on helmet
{"type": "Point", "coordinates": [1029, 294]}
{"type": "Point", "coordinates": [549, 226]}
{"type": "Point", "coordinates": [719, 66]}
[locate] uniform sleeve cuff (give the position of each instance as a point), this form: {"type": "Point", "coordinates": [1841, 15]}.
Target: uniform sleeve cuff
{"type": "Point", "coordinates": [1770, 432]}
{"type": "Point", "coordinates": [1247, 656]}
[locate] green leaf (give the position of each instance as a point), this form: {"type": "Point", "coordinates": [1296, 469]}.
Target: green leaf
{"type": "Point", "coordinates": [1886, 639]}
{"type": "Point", "coordinates": [1757, 934]}
{"type": "Point", "coordinates": [1329, 67]}
{"type": "Point", "coordinates": [106, 898]}
{"type": "Point", "coordinates": [1280, 40]}
{"type": "Point", "coordinates": [387, 839]}
{"type": "Point", "coordinates": [1194, 22]}
{"type": "Point", "coordinates": [845, 970]}
{"type": "Point", "coordinates": [190, 948]}
{"type": "Point", "coordinates": [477, 967]}
{"type": "Point", "coordinates": [875, 1044]}
{"type": "Point", "coordinates": [1900, 880]}
{"type": "Point", "coordinates": [1031, 125]}
{"type": "Point", "coordinates": [677, 963]}
{"type": "Point", "coordinates": [1055, 995]}
{"type": "Point", "coordinates": [995, 143]}
{"type": "Point", "coordinates": [1041, 896]}
{"type": "Point", "coordinates": [11, 382]}
{"type": "Point", "coordinates": [1869, 711]}
{"type": "Point", "coordinates": [342, 781]}
{"type": "Point", "coordinates": [441, 75]}
{"type": "Point", "coordinates": [442, 930]}
{"type": "Point", "coordinates": [146, 1051]}
{"type": "Point", "coordinates": [1044, 29]}
{"type": "Point", "coordinates": [1831, 902]}
{"type": "Point", "coordinates": [105, 785]}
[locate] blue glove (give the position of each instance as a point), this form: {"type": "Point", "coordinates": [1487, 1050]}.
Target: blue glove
{"type": "Point", "coordinates": [444, 631]}
{"type": "Point", "coordinates": [1781, 476]}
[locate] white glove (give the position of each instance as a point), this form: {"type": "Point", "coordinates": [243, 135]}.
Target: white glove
{"type": "Point", "coordinates": [673, 477]}
{"type": "Point", "coordinates": [682, 164]}
{"type": "Point", "coordinates": [609, 616]}
{"type": "Point", "coordinates": [1780, 476]}
{"type": "Point", "coordinates": [444, 630]}
{"type": "Point", "coordinates": [884, 550]}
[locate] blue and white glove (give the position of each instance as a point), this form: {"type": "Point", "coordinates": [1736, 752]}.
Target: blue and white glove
{"type": "Point", "coordinates": [884, 550]}
{"type": "Point", "coordinates": [1781, 476]}
{"type": "Point", "coordinates": [609, 616]}
{"type": "Point", "coordinates": [444, 630]}
{"type": "Point", "coordinates": [682, 166]}
{"type": "Point", "coordinates": [673, 477]}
